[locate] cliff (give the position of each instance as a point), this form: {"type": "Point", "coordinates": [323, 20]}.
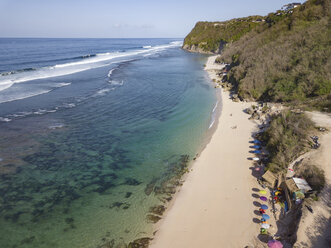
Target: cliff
{"type": "Point", "coordinates": [211, 37]}
{"type": "Point", "coordinates": [283, 57]}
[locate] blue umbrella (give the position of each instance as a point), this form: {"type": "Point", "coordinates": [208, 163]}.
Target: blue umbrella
{"type": "Point", "coordinates": [263, 206]}
{"type": "Point", "coordinates": [256, 147]}
{"type": "Point", "coordinates": [256, 142]}
{"type": "Point", "coordinates": [265, 216]}
{"type": "Point", "coordinates": [256, 151]}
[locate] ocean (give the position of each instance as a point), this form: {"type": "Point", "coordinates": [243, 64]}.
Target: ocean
{"type": "Point", "coordinates": [95, 135]}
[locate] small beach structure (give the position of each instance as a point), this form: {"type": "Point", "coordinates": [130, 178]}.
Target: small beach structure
{"type": "Point", "coordinates": [270, 178]}
{"type": "Point", "coordinates": [297, 188]}
{"type": "Point", "coordinates": [297, 184]}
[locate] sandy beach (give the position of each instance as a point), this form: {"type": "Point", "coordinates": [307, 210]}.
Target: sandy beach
{"type": "Point", "coordinates": [214, 207]}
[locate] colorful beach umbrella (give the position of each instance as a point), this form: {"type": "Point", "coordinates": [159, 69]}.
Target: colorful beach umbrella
{"type": "Point", "coordinates": [265, 225]}
{"type": "Point", "coordinates": [263, 206]}
{"type": "Point", "coordinates": [263, 192]}
{"type": "Point", "coordinates": [263, 198]}
{"type": "Point", "coordinates": [265, 216]}
{"type": "Point", "coordinates": [275, 244]}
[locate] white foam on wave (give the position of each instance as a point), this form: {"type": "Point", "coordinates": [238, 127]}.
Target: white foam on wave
{"type": "Point", "coordinates": [24, 94]}
{"type": "Point", "coordinates": [147, 46]}
{"type": "Point", "coordinates": [103, 91]}
{"type": "Point", "coordinates": [6, 81]}
{"type": "Point", "coordinates": [215, 107]}
{"type": "Point", "coordinates": [115, 82]}
{"type": "Point", "coordinates": [5, 119]}
{"type": "Point", "coordinates": [111, 72]}
{"type": "Point", "coordinates": [56, 126]}
{"type": "Point", "coordinates": [211, 124]}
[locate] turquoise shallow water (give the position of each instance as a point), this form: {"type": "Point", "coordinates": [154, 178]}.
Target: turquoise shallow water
{"type": "Point", "coordinates": [84, 169]}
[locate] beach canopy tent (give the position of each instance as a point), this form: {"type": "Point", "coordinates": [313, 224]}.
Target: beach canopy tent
{"type": "Point", "coordinates": [256, 142]}
{"type": "Point", "coordinates": [265, 225]}
{"type": "Point", "coordinates": [263, 206]}
{"type": "Point", "coordinates": [256, 159]}
{"type": "Point", "coordinates": [263, 198]}
{"type": "Point", "coordinates": [297, 184]}
{"type": "Point", "coordinates": [256, 151]}
{"type": "Point", "coordinates": [256, 147]}
{"type": "Point", "coordinates": [263, 192]}
{"type": "Point", "coordinates": [275, 244]}
{"type": "Point", "coordinates": [265, 216]}
{"type": "Point", "coordinates": [270, 178]}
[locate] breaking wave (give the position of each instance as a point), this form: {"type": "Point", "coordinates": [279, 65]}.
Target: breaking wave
{"type": "Point", "coordinates": [86, 62]}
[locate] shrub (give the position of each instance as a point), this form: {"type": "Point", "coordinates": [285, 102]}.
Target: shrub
{"type": "Point", "coordinates": [286, 59]}
{"type": "Point", "coordinates": [286, 138]}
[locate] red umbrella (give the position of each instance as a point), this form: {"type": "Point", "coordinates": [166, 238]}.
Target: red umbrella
{"type": "Point", "coordinates": [275, 244]}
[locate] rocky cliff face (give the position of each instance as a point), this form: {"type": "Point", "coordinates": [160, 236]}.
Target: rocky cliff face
{"type": "Point", "coordinates": [195, 49]}
{"type": "Point", "coordinates": [211, 37]}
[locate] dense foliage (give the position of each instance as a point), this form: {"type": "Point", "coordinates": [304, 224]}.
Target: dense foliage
{"type": "Point", "coordinates": [286, 138]}
{"type": "Point", "coordinates": [209, 36]}
{"type": "Point", "coordinates": [287, 58]}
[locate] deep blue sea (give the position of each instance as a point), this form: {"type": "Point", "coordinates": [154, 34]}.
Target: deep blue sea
{"type": "Point", "coordinates": [94, 136]}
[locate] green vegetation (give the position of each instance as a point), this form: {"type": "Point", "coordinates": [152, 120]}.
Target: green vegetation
{"type": "Point", "coordinates": [287, 58]}
{"type": "Point", "coordinates": [286, 138]}
{"type": "Point", "coordinates": [210, 36]}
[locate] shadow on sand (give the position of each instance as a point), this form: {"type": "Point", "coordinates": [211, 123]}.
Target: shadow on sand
{"type": "Point", "coordinates": [255, 195]}
{"type": "Point", "coordinates": [256, 220]}
{"type": "Point", "coordinates": [255, 189]}
{"type": "Point", "coordinates": [257, 204]}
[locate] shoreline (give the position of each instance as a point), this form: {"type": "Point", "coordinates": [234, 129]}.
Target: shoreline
{"type": "Point", "coordinates": [214, 207]}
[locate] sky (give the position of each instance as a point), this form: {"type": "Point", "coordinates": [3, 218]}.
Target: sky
{"type": "Point", "coordinates": [121, 18]}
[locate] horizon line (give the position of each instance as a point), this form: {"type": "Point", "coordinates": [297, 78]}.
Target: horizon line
{"type": "Point", "coordinates": [91, 37]}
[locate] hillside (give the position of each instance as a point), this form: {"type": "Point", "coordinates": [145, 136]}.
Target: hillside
{"type": "Point", "coordinates": [286, 58]}
{"type": "Point", "coordinates": [210, 37]}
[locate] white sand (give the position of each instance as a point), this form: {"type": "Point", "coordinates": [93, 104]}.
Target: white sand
{"type": "Point", "coordinates": [312, 228]}
{"type": "Point", "coordinates": [214, 207]}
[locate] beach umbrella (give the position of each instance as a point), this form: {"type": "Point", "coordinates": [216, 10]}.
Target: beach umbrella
{"type": "Point", "coordinates": [256, 142]}
{"type": "Point", "coordinates": [256, 147]}
{"type": "Point", "coordinates": [263, 192]}
{"type": "Point", "coordinates": [256, 151]}
{"type": "Point", "coordinates": [274, 244]}
{"type": "Point", "coordinates": [256, 159]}
{"type": "Point", "coordinates": [263, 206]}
{"type": "Point", "coordinates": [265, 225]}
{"type": "Point", "coordinates": [265, 216]}
{"type": "Point", "coordinates": [263, 198]}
